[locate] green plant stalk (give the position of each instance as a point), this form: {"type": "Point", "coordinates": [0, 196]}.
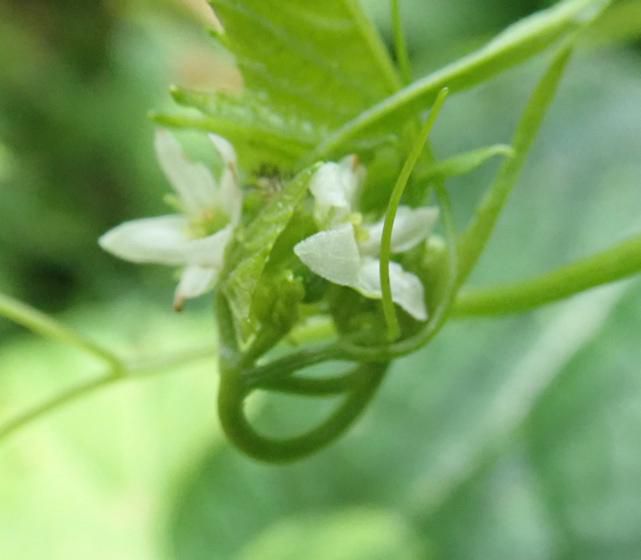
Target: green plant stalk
{"type": "Point", "coordinates": [42, 324]}
{"type": "Point", "coordinates": [515, 45]}
{"type": "Point", "coordinates": [400, 43]}
{"type": "Point", "coordinates": [614, 264]}
{"type": "Point", "coordinates": [233, 392]}
{"type": "Point", "coordinates": [475, 238]}
{"type": "Point", "coordinates": [389, 311]}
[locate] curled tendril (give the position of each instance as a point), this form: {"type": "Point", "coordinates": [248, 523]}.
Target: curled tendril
{"type": "Point", "coordinates": [359, 387]}
{"type": "Point", "coordinates": [240, 377]}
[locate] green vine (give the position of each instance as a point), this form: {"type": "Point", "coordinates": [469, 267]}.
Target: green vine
{"type": "Point", "coordinates": [265, 295]}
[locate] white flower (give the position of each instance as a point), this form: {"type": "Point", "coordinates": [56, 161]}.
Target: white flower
{"type": "Point", "coordinates": [345, 251]}
{"type": "Point", "coordinates": [196, 238]}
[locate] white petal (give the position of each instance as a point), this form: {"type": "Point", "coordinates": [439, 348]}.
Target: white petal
{"type": "Point", "coordinates": [164, 240]}
{"type": "Point", "coordinates": [192, 181]}
{"type": "Point", "coordinates": [160, 240]}
{"type": "Point", "coordinates": [194, 281]}
{"type": "Point", "coordinates": [407, 290]}
{"type": "Point", "coordinates": [226, 151]}
{"type": "Point", "coordinates": [353, 175]}
{"type": "Point", "coordinates": [230, 196]}
{"type": "Point", "coordinates": [332, 254]}
{"type": "Point", "coordinates": [334, 187]}
{"type": "Point", "coordinates": [411, 226]}
{"type": "Point", "coordinates": [208, 251]}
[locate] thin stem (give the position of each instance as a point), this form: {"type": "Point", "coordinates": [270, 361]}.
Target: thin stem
{"type": "Point", "coordinates": [475, 238]}
{"type": "Point", "coordinates": [60, 400]}
{"type": "Point", "coordinates": [618, 262]}
{"type": "Point", "coordinates": [42, 324]}
{"type": "Point", "coordinates": [125, 372]}
{"type": "Point", "coordinates": [400, 43]}
{"type": "Point", "coordinates": [516, 44]}
{"type": "Point", "coordinates": [314, 386]}
{"type": "Point", "coordinates": [389, 311]}
{"type": "Point", "coordinates": [281, 368]}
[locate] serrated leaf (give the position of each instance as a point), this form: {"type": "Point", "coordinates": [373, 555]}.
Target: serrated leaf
{"type": "Point", "coordinates": [253, 245]}
{"type": "Point", "coordinates": [260, 133]}
{"type": "Point", "coordinates": [307, 67]}
{"type": "Point", "coordinates": [319, 60]}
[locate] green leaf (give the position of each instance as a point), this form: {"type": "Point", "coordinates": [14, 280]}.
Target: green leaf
{"type": "Point", "coordinates": [307, 67]}
{"type": "Point", "coordinates": [253, 245]}
{"type": "Point", "coordinates": [321, 61]}
{"type": "Point", "coordinates": [259, 133]}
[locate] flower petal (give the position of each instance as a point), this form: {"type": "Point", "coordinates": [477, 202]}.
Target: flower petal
{"type": "Point", "coordinates": [193, 182]}
{"type": "Point", "coordinates": [160, 240]}
{"type": "Point", "coordinates": [164, 240]}
{"type": "Point", "coordinates": [332, 254]}
{"type": "Point", "coordinates": [194, 281]}
{"type": "Point", "coordinates": [334, 187]}
{"type": "Point", "coordinates": [230, 196]}
{"type": "Point", "coordinates": [208, 251]}
{"type": "Point", "coordinates": [407, 290]}
{"type": "Point", "coordinates": [411, 226]}
{"type": "Point", "coordinates": [226, 151]}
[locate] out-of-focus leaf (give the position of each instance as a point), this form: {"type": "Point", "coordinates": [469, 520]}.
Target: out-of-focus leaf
{"type": "Point", "coordinates": [93, 479]}
{"type": "Point", "coordinates": [359, 534]}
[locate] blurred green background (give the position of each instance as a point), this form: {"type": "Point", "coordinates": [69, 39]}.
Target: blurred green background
{"type": "Point", "coordinates": [507, 438]}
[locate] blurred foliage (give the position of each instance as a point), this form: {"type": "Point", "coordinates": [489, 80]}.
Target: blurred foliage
{"type": "Point", "coordinates": [510, 438]}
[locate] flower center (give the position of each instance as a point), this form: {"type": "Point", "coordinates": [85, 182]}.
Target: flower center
{"type": "Point", "coordinates": [207, 223]}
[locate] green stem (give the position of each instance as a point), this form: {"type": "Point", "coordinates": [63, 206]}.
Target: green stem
{"type": "Point", "coordinates": [475, 238]}
{"type": "Point", "coordinates": [42, 324]}
{"type": "Point", "coordinates": [282, 368]}
{"type": "Point", "coordinates": [516, 44]}
{"type": "Point", "coordinates": [231, 398]}
{"type": "Point", "coordinates": [618, 262]}
{"type": "Point", "coordinates": [392, 208]}
{"type": "Point", "coordinates": [400, 43]}
{"type": "Point", "coordinates": [314, 386]}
